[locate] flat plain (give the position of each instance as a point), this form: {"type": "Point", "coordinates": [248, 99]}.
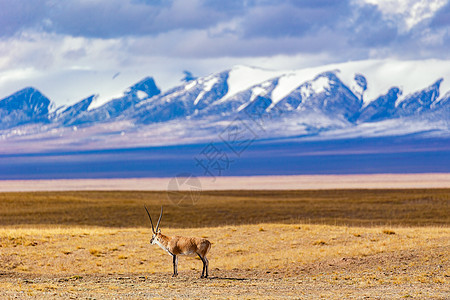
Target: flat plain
{"type": "Point", "coordinates": [307, 244]}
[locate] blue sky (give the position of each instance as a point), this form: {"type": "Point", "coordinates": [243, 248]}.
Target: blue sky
{"type": "Point", "coordinates": [65, 48]}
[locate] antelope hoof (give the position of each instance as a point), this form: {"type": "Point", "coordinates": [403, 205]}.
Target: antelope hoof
{"type": "Point", "coordinates": [174, 275]}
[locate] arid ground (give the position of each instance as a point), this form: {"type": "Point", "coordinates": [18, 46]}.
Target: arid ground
{"type": "Point", "coordinates": [307, 244]}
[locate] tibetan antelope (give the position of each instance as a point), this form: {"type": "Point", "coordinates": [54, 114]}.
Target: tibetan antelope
{"type": "Point", "coordinates": [180, 245]}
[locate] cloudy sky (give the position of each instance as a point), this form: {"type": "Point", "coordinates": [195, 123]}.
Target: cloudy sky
{"type": "Point", "coordinates": [73, 48]}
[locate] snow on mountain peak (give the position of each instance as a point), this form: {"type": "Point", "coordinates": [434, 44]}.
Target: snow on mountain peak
{"type": "Point", "coordinates": [207, 86]}
{"type": "Point", "coordinates": [25, 106]}
{"type": "Point", "coordinates": [381, 75]}
{"type": "Point", "coordinates": [103, 99]}
{"type": "Point", "coordinates": [287, 84]}
{"type": "Point", "coordinates": [320, 84]}
{"type": "Point", "coordinates": [241, 78]}
{"type": "Point", "coordinates": [141, 90]}
{"type": "Point", "coordinates": [141, 95]}
{"type": "Point", "coordinates": [190, 84]}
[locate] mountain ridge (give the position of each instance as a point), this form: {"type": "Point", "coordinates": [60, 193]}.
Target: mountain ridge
{"type": "Point", "coordinates": [294, 103]}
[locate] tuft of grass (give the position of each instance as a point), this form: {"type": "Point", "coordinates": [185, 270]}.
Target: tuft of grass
{"type": "Point", "coordinates": [388, 231]}
{"type": "Point", "coordinates": [95, 252]}
{"type": "Point", "coordinates": [320, 243]}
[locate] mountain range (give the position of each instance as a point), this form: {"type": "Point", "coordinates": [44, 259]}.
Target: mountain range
{"type": "Point", "coordinates": [358, 99]}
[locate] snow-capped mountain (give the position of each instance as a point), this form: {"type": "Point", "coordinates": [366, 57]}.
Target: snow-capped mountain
{"type": "Point", "coordinates": [352, 99]}
{"type": "Point", "coordinates": [181, 102]}
{"type": "Point", "coordinates": [69, 115]}
{"type": "Point", "coordinates": [24, 107]}
{"type": "Point", "coordinates": [86, 112]}
{"type": "Point", "coordinates": [325, 93]}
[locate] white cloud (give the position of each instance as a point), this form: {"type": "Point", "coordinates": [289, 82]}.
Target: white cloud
{"type": "Point", "coordinates": [408, 12]}
{"type": "Point", "coordinates": [69, 58]}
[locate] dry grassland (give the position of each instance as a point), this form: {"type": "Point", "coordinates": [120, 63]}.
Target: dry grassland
{"type": "Point", "coordinates": [420, 207]}
{"type": "Point", "coordinates": [292, 244]}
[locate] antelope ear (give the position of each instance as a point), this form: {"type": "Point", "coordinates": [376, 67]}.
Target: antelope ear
{"type": "Point", "coordinates": [159, 231]}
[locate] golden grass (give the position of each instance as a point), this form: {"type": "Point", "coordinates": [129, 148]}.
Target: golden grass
{"type": "Point", "coordinates": [421, 207]}
{"type": "Point", "coordinates": [81, 250]}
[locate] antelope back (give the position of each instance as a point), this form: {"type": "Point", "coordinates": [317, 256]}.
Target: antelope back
{"type": "Point", "coordinates": [189, 245]}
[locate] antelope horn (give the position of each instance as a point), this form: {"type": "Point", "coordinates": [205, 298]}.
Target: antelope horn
{"type": "Point", "coordinates": [153, 229]}
{"type": "Point", "coordinates": [160, 216]}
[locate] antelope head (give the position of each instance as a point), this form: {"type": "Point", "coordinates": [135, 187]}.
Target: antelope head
{"type": "Point", "coordinates": [155, 232]}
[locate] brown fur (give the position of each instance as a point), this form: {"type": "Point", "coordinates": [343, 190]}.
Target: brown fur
{"type": "Point", "coordinates": [180, 245]}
